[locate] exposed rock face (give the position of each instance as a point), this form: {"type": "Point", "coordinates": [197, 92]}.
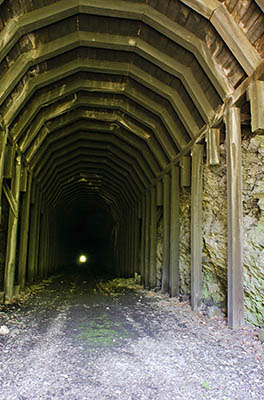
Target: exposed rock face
{"type": "Point", "coordinates": [253, 206]}
{"type": "Point", "coordinates": [3, 239]}
{"type": "Point", "coordinates": [214, 261]}
{"type": "Point", "coordinates": [159, 248]}
{"type": "Point", "coordinates": [185, 241]}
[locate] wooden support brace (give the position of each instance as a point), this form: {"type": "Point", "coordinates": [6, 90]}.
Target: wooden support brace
{"type": "Point", "coordinates": [175, 232]}
{"type": "Point", "coordinates": [166, 233]}
{"type": "Point", "coordinates": [213, 146]}
{"type": "Point", "coordinates": [12, 233]}
{"type": "Point", "coordinates": [235, 218]}
{"type": "Point", "coordinates": [255, 94]}
{"type": "Point", "coordinates": [196, 226]}
{"type": "Point", "coordinates": [23, 250]}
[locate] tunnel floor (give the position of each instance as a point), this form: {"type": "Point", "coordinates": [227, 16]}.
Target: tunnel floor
{"type": "Point", "coordinates": [72, 341]}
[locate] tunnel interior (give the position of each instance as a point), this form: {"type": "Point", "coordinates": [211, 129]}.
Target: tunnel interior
{"type": "Point", "coordinates": [87, 229]}
{"type": "Point", "coordinates": [107, 113]}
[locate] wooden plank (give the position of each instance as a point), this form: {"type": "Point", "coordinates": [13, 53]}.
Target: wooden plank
{"type": "Point", "coordinates": [213, 146]}
{"type": "Point", "coordinates": [3, 140]}
{"type": "Point", "coordinates": [236, 40]}
{"type": "Point", "coordinates": [175, 232]}
{"type": "Point", "coordinates": [196, 226]}
{"type": "Point", "coordinates": [235, 218]}
{"type": "Point", "coordinates": [10, 264]}
{"type": "Point", "coordinates": [255, 94]}
{"type": "Point", "coordinates": [166, 233]}
{"type": "Point", "coordinates": [23, 249]}
{"type": "Point", "coordinates": [153, 238]}
{"type": "Point", "coordinates": [185, 164]}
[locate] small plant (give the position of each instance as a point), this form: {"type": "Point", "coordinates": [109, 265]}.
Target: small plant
{"type": "Point", "coordinates": [206, 385]}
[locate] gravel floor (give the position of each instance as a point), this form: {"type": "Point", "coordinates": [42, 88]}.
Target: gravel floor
{"type": "Point", "coordinates": [72, 342]}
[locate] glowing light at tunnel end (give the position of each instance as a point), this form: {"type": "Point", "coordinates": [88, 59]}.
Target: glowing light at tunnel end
{"type": "Point", "coordinates": [82, 258]}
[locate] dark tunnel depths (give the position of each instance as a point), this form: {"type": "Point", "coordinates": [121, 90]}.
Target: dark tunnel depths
{"type": "Point", "coordinates": [87, 229]}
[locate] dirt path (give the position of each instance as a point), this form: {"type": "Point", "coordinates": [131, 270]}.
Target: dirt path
{"type": "Point", "coordinates": [74, 342]}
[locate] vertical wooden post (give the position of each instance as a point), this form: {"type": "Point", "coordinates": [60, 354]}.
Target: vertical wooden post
{"type": "Point", "coordinates": [196, 225]}
{"type": "Point", "coordinates": [23, 249]}
{"type": "Point", "coordinates": [175, 232]}
{"type": "Point", "coordinates": [235, 218]}
{"type": "Point", "coordinates": [12, 233]}
{"type": "Point", "coordinates": [137, 235]}
{"type": "Point", "coordinates": [142, 245]}
{"type": "Point", "coordinates": [166, 234]}
{"type": "Point", "coordinates": [153, 239]}
{"type": "Point", "coordinates": [147, 240]}
{"type": "Point", "coordinates": [33, 235]}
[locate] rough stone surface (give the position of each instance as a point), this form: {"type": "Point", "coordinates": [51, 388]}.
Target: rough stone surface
{"type": "Point", "coordinates": [185, 242]}
{"type": "Point", "coordinates": [3, 239]}
{"type": "Point", "coordinates": [159, 253]}
{"type": "Point", "coordinates": [214, 261]}
{"type": "Point", "coordinates": [253, 207]}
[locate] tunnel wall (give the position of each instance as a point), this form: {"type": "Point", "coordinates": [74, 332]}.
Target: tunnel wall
{"type": "Point", "coordinates": [214, 257]}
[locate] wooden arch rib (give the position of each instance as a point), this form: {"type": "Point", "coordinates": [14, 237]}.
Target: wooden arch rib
{"type": "Point", "coordinates": [64, 143]}
{"type": "Point", "coordinates": [77, 39]}
{"type": "Point", "coordinates": [138, 11]}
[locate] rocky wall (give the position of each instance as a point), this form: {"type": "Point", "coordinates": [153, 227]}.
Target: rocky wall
{"type": "Point", "coordinates": [214, 261]}
{"type": "Point", "coordinates": [185, 242]}
{"type": "Point", "coordinates": [3, 239]}
{"type": "Point", "coordinates": [253, 209]}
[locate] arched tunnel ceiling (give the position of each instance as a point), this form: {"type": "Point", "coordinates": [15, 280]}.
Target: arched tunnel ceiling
{"type": "Point", "coordinates": [102, 96]}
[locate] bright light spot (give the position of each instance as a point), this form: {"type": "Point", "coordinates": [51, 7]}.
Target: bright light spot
{"type": "Point", "coordinates": [82, 259]}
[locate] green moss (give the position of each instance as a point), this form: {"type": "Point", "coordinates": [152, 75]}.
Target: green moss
{"type": "Point", "coordinates": [102, 332]}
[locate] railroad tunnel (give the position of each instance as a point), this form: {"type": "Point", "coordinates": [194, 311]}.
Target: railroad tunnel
{"type": "Point", "coordinates": [127, 129]}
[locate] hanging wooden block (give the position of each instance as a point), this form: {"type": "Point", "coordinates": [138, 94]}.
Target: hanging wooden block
{"type": "Point", "coordinates": [213, 146]}
{"type": "Point", "coordinates": [9, 161]}
{"type": "Point", "coordinates": [159, 197]}
{"type": "Point", "coordinates": [255, 95]}
{"type": "Point", "coordinates": [185, 164]}
{"type": "Point", "coordinates": [24, 178]}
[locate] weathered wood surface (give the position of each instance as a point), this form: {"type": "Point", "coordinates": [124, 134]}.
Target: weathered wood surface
{"type": "Point", "coordinates": [175, 233]}
{"type": "Point", "coordinates": [196, 225]}
{"type": "Point", "coordinates": [166, 233]}
{"type": "Point", "coordinates": [10, 264]}
{"type": "Point", "coordinates": [236, 40]}
{"type": "Point", "coordinates": [235, 218]}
